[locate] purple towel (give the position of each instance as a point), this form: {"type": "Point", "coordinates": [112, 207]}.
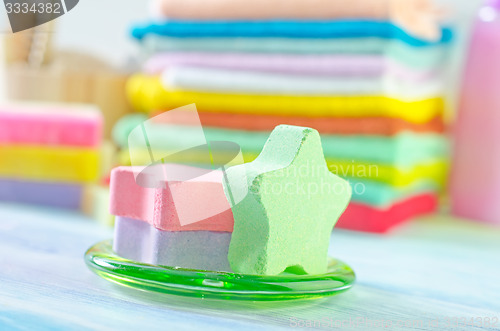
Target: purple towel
{"type": "Point", "coordinates": [339, 65]}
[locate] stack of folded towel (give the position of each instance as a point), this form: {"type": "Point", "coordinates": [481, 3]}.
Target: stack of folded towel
{"type": "Point", "coordinates": [48, 153]}
{"type": "Point", "coordinates": [371, 87]}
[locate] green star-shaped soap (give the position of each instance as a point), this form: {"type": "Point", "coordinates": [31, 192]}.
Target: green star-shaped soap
{"type": "Point", "coordinates": [290, 206]}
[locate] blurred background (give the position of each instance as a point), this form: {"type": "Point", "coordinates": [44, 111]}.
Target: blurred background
{"type": "Point", "coordinates": [389, 95]}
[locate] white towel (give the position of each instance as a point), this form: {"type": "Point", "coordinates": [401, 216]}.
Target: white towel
{"type": "Point", "coordinates": [259, 83]}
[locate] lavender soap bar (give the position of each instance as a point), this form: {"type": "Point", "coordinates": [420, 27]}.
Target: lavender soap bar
{"type": "Point", "coordinates": [137, 240]}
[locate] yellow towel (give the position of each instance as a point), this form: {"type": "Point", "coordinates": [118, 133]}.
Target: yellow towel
{"type": "Point", "coordinates": [49, 164]}
{"type": "Point", "coordinates": [397, 177]}
{"type": "Point", "coordinates": [147, 94]}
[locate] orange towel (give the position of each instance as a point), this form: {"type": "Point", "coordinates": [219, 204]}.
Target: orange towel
{"type": "Point", "coordinates": [326, 125]}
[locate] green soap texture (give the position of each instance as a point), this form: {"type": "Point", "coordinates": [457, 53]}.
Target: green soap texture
{"type": "Point", "coordinates": [291, 204]}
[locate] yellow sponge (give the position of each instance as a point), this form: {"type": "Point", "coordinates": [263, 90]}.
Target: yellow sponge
{"type": "Point", "coordinates": [49, 164]}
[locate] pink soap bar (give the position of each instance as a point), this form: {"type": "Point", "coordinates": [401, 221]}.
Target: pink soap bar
{"type": "Point", "coordinates": [186, 199]}
{"type": "Point", "coordinates": [203, 195]}
{"type": "Point", "coordinates": [50, 124]}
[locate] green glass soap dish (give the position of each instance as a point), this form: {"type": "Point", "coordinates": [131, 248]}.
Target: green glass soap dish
{"type": "Point", "coordinates": [217, 285]}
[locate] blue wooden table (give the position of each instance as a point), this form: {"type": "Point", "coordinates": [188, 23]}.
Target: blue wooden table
{"type": "Point", "coordinates": [434, 273]}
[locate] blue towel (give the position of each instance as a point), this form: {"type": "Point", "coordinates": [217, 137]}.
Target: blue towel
{"type": "Point", "coordinates": [285, 29]}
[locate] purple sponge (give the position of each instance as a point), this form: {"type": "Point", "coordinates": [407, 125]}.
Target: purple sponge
{"type": "Point", "coordinates": [67, 196]}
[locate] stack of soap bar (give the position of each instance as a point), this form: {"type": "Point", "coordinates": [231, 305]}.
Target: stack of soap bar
{"type": "Point", "coordinates": [177, 223]}
{"type": "Point", "coordinates": [189, 223]}
{"type": "Point", "coordinates": [48, 153]}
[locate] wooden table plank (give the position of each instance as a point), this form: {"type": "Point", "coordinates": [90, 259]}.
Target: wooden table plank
{"type": "Point", "coordinates": [420, 274]}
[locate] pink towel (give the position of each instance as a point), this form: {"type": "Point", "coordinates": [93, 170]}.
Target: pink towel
{"type": "Point", "coordinates": [323, 65]}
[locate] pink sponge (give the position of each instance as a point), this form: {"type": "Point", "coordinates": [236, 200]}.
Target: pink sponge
{"type": "Point", "coordinates": [174, 202]}
{"type": "Point", "coordinates": [50, 124]}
